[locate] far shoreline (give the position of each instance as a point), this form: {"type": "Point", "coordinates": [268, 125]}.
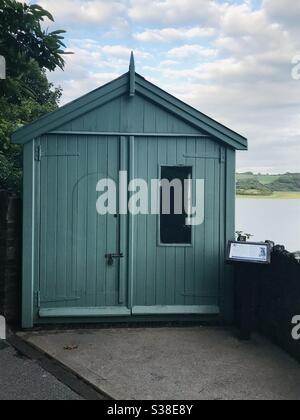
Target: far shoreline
{"type": "Point", "coordinates": [275, 196]}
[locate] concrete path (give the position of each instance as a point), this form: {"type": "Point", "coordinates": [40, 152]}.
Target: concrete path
{"type": "Point", "coordinates": [23, 379]}
{"type": "Point", "coordinates": [175, 363]}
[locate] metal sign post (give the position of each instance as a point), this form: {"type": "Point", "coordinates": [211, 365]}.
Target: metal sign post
{"type": "Point", "coordinates": [246, 257]}
{"type": "Point", "coordinates": [2, 68]}
{"type": "Point", "coordinates": [2, 328]}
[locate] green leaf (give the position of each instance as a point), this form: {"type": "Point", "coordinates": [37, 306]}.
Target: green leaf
{"type": "Point", "coordinates": [43, 12]}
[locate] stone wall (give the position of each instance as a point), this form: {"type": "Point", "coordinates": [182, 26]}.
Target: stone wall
{"type": "Point", "coordinates": [10, 257]}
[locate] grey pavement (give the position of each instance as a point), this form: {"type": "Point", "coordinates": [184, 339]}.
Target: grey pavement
{"type": "Point", "coordinates": [174, 363]}
{"type": "Point", "coordinates": [23, 379]}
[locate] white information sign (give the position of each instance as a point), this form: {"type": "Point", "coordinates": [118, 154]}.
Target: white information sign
{"type": "Point", "coordinates": [249, 252]}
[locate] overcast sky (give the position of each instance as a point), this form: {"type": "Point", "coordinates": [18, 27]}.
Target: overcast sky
{"type": "Point", "coordinates": [230, 59]}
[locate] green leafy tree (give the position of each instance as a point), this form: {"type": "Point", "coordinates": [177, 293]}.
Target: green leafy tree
{"type": "Point", "coordinates": [26, 94]}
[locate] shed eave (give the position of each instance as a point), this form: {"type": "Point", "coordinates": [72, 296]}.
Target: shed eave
{"type": "Point", "coordinates": [72, 110]}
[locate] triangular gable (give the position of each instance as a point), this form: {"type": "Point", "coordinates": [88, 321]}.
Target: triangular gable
{"type": "Point", "coordinates": [127, 115]}
{"type": "Point", "coordinates": [190, 114]}
{"type": "Point", "coordinates": [120, 87]}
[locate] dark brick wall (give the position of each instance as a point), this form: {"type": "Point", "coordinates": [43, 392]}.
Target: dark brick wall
{"type": "Point", "coordinates": [10, 257]}
{"type": "Point", "coordinates": [274, 294]}
{"type": "Point", "coordinates": [278, 300]}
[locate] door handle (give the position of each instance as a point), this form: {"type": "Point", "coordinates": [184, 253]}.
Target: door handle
{"type": "Point", "coordinates": [111, 257]}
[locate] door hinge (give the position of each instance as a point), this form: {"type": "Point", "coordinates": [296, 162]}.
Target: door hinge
{"type": "Point", "coordinates": [38, 299]}
{"type": "Point", "coordinates": [38, 153]}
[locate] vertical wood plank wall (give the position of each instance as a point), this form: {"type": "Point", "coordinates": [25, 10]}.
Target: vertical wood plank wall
{"type": "Point", "coordinates": [73, 237]}
{"type": "Point", "coordinates": [65, 240]}
{"type": "Point", "coordinates": [179, 275]}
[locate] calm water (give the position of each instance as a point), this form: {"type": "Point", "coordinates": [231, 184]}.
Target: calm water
{"type": "Point", "coordinates": [277, 220]}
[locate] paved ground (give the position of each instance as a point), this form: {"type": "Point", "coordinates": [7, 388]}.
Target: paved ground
{"type": "Point", "coordinates": [174, 363]}
{"type": "Point", "coordinates": [23, 379]}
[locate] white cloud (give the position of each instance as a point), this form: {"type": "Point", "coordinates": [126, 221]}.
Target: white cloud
{"type": "Point", "coordinates": [84, 11]}
{"type": "Point", "coordinates": [286, 12]}
{"type": "Point", "coordinates": [123, 52]}
{"type": "Point", "coordinates": [174, 11]}
{"type": "Point", "coordinates": [241, 20]}
{"type": "Point", "coordinates": [191, 51]}
{"type": "Point", "coordinates": [173, 34]}
{"type": "Point", "coordinates": [266, 113]}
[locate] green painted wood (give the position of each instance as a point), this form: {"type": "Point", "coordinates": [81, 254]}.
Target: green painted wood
{"type": "Point", "coordinates": [112, 239]}
{"type": "Point", "coordinates": [212, 221]}
{"type": "Point", "coordinates": [178, 275]}
{"type": "Point", "coordinates": [123, 278]}
{"type": "Point", "coordinates": [132, 76]}
{"type": "Point", "coordinates": [161, 252]}
{"type": "Point", "coordinates": [74, 239]}
{"type": "Point", "coordinates": [125, 115]}
{"type": "Point", "coordinates": [200, 170]}
{"type": "Point", "coordinates": [113, 134]}
{"type": "Point", "coordinates": [158, 276]}
{"type": "Point", "coordinates": [131, 228]}
{"type": "Point", "coordinates": [102, 228]}
{"type": "Point", "coordinates": [62, 220]}
{"type": "Point", "coordinates": [151, 221]}
{"type": "Point", "coordinates": [188, 285]}
{"type": "Point", "coordinates": [37, 232]}
{"type": "Point", "coordinates": [28, 236]}
{"type": "Point", "coordinates": [131, 110]}
{"type": "Point", "coordinates": [179, 298]}
{"type": "Point", "coordinates": [228, 281]}
{"type": "Point", "coordinates": [84, 312]}
{"type": "Point", "coordinates": [223, 236]}
{"type": "Point", "coordinates": [92, 218]}
{"type": "Point", "coordinates": [170, 285]}
{"type": "Point", "coordinates": [176, 310]}
{"type": "Point", "coordinates": [140, 238]}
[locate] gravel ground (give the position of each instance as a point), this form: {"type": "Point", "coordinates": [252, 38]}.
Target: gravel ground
{"type": "Point", "coordinates": [23, 379]}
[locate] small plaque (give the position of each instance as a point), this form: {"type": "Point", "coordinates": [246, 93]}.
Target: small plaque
{"type": "Point", "coordinates": [249, 252]}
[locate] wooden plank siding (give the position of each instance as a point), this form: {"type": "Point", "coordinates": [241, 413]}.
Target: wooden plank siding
{"type": "Point", "coordinates": [65, 274]}
{"type": "Point", "coordinates": [179, 275]}
{"type": "Point", "coordinates": [73, 237]}
{"type": "Point", "coordinates": [130, 115]}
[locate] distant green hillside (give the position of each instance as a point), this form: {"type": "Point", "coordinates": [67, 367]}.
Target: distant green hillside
{"type": "Point", "coordinates": [289, 182]}
{"type": "Point", "coordinates": [266, 185]}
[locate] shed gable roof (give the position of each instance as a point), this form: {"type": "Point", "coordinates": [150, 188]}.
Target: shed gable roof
{"type": "Point", "coordinates": [122, 86]}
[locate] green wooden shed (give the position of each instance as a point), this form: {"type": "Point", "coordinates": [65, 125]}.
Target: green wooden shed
{"type": "Point", "coordinates": [81, 266]}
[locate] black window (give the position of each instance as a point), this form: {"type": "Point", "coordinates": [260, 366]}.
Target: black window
{"type": "Point", "coordinates": [174, 226]}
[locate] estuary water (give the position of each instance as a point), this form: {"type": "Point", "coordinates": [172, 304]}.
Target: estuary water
{"type": "Point", "coordinates": [274, 219]}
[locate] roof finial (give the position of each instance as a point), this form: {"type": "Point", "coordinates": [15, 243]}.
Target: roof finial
{"type": "Point", "coordinates": [132, 74]}
{"type": "Point", "coordinates": [132, 61]}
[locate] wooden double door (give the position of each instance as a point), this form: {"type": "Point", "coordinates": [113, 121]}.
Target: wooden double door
{"type": "Point", "coordinates": [116, 265]}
